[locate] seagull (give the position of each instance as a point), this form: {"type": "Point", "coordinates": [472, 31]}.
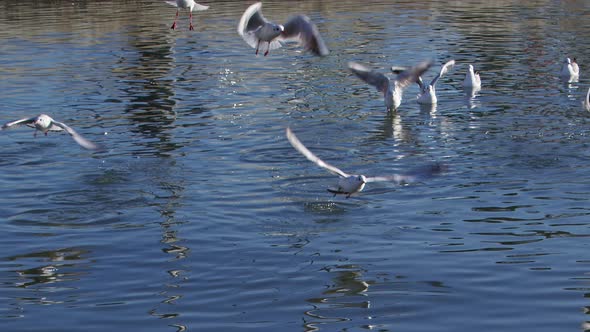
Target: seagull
{"type": "Point", "coordinates": [392, 90]}
{"type": "Point", "coordinates": [427, 94]}
{"type": "Point", "coordinates": [472, 80]}
{"type": "Point", "coordinates": [255, 29]}
{"type": "Point", "coordinates": [586, 102]}
{"type": "Point", "coordinates": [349, 184]}
{"type": "Point", "coordinates": [186, 4]}
{"type": "Point", "coordinates": [44, 123]}
{"type": "Point", "coordinates": [570, 70]}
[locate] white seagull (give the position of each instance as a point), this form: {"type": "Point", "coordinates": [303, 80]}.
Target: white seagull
{"type": "Point", "coordinates": [185, 4]}
{"type": "Point", "coordinates": [472, 80]}
{"type": "Point", "coordinates": [44, 123]}
{"type": "Point", "coordinates": [586, 102]}
{"type": "Point", "coordinates": [349, 184]}
{"type": "Point", "coordinates": [570, 71]}
{"type": "Point", "coordinates": [427, 94]}
{"type": "Point", "coordinates": [392, 91]}
{"type": "Point", "coordinates": [255, 29]}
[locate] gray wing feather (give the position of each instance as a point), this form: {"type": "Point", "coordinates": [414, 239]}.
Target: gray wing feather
{"type": "Point", "coordinates": [411, 75]}
{"type": "Point", "coordinates": [302, 29]}
{"type": "Point", "coordinates": [24, 121]}
{"type": "Point", "coordinates": [77, 137]}
{"type": "Point", "coordinates": [376, 79]}
{"type": "Point", "coordinates": [252, 19]}
{"type": "Point", "coordinates": [418, 174]}
{"type": "Point", "coordinates": [309, 155]}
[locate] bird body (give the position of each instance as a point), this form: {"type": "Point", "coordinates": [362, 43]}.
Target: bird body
{"type": "Point", "coordinates": [570, 71]}
{"type": "Point", "coordinates": [472, 79]}
{"type": "Point", "coordinates": [44, 123]}
{"type": "Point", "coordinates": [586, 102]}
{"type": "Point", "coordinates": [427, 94]}
{"type": "Point", "coordinates": [392, 90]}
{"type": "Point", "coordinates": [257, 30]}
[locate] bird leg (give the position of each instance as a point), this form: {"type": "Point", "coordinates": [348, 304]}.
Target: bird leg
{"type": "Point", "coordinates": [190, 15]}
{"type": "Point", "coordinates": [257, 47]}
{"type": "Point", "coordinates": [173, 27]}
{"type": "Point", "coordinates": [267, 49]}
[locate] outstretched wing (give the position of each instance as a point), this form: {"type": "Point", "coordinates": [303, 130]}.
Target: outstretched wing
{"type": "Point", "coordinates": [417, 174]}
{"type": "Point", "coordinates": [445, 69]}
{"type": "Point", "coordinates": [376, 79]}
{"type": "Point", "coordinates": [252, 19]}
{"type": "Point", "coordinates": [77, 137]}
{"type": "Point", "coordinates": [309, 155]}
{"type": "Point", "coordinates": [302, 29]}
{"type": "Point", "coordinates": [410, 76]}
{"type": "Point", "coordinates": [199, 7]}
{"type": "Point", "coordinates": [25, 121]}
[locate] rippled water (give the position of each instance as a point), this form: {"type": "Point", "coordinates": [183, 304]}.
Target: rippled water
{"type": "Point", "coordinates": [201, 216]}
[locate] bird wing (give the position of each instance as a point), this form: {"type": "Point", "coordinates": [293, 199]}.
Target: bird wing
{"type": "Point", "coordinates": [417, 174]}
{"type": "Point", "coordinates": [376, 79]}
{"type": "Point", "coordinates": [309, 155]}
{"type": "Point", "coordinates": [25, 121]}
{"type": "Point", "coordinates": [302, 29]}
{"type": "Point", "coordinates": [398, 69]}
{"type": "Point", "coordinates": [172, 3]}
{"type": "Point", "coordinates": [199, 7]}
{"type": "Point", "coordinates": [410, 76]}
{"type": "Point", "coordinates": [445, 68]}
{"type": "Point", "coordinates": [421, 84]}
{"type": "Point", "coordinates": [252, 19]}
{"type": "Point", "coordinates": [77, 137]}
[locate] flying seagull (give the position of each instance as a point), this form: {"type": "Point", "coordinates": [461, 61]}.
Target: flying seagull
{"type": "Point", "coordinates": [257, 30]}
{"type": "Point", "coordinates": [349, 184]}
{"type": "Point", "coordinates": [185, 4]}
{"type": "Point", "coordinates": [392, 90]}
{"type": "Point", "coordinates": [44, 123]}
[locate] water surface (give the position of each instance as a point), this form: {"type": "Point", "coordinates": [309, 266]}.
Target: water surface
{"type": "Point", "coordinates": [201, 216]}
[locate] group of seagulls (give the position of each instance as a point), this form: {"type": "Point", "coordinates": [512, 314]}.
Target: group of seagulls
{"type": "Point", "coordinates": [264, 36]}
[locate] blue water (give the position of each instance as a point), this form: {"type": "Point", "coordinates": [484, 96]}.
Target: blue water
{"type": "Point", "coordinates": [200, 216]}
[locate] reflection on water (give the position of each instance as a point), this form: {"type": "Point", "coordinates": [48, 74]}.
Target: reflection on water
{"type": "Point", "coordinates": [200, 214]}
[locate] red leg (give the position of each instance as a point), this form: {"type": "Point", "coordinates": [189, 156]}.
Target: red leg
{"type": "Point", "coordinates": [257, 47]}
{"type": "Point", "coordinates": [190, 15]}
{"type": "Point", "coordinates": [267, 49]}
{"type": "Point", "coordinates": [173, 27]}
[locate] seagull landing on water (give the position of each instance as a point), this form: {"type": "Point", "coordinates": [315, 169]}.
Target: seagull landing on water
{"type": "Point", "coordinates": [256, 30]}
{"type": "Point", "coordinates": [570, 71]}
{"type": "Point", "coordinates": [349, 184]}
{"type": "Point", "coordinates": [185, 4]}
{"type": "Point", "coordinates": [392, 91]}
{"type": "Point", "coordinates": [44, 123]}
{"type": "Point", "coordinates": [427, 94]}
{"type": "Point", "coordinates": [472, 80]}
